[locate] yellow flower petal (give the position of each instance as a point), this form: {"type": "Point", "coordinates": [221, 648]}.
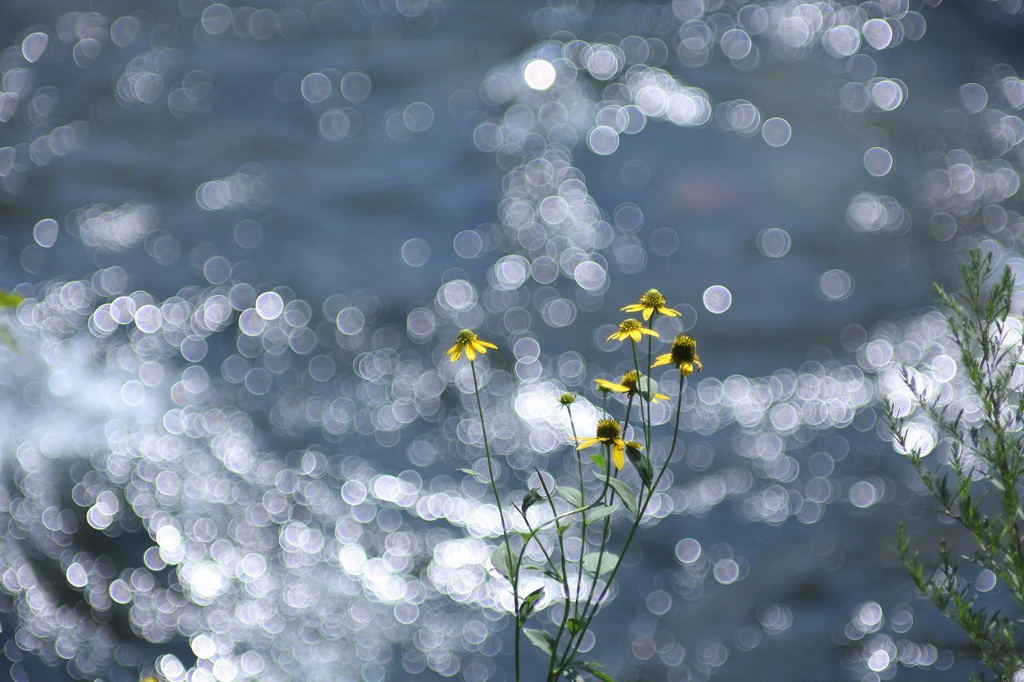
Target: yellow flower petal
{"type": "Point", "coordinates": [670, 312]}
{"type": "Point", "coordinates": [617, 454]}
{"type": "Point", "coordinates": [588, 442]}
{"type": "Point", "coordinates": [468, 343]}
{"type": "Point", "coordinates": [665, 359]}
{"type": "Point", "coordinates": [611, 386]}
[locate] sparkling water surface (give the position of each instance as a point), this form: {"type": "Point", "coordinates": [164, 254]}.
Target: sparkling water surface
{"type": "Point", "coordinates": [246, 235]}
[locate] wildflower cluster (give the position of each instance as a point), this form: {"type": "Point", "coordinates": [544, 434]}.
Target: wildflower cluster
{"type": "Point", "coordinates": [586, 507]}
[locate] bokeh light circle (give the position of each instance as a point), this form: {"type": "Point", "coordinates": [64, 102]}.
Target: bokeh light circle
{"type": "Point", "coordinates": [415, 252]}
{"type": "Point", "coordinates": [717, 299]}
{"type": "Point", "coordinates": [774, 242]}
{"type": "Point", "coordinates": [777, 132]}
{"type": "Point", "coordinates": [539, 74]}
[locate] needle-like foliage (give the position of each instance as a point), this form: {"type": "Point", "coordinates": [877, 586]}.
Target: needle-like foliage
{"type": "Point", "coordinates": [980, 486]}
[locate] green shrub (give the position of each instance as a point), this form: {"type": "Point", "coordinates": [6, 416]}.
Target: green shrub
{"type": "Point", "coordinates": [980, 486]}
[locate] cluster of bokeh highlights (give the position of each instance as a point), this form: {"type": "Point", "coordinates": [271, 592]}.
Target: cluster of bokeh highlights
{"type": "Point", "coordinates": [196, 481]}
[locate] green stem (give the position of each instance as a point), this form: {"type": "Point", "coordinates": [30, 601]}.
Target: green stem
{"type": "Point", "coordinates": [564, 579]}
{"type": "Point", "coordinates": [583, 525]}
{"type": "Point", "coordinates": [513, 570]}
{"type": "Point", "coordinates": [645, 419]}
{"type": "Point", "coordinates": [571, 652]}
{"type": "Point", "coordinates": [576, 640]}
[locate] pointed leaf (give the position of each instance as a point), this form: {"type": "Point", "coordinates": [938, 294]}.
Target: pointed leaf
{"type": "Point", "coordinates": [546, 570]}
{"type": "Point", "coordinates": [9, 299]}
{"type": "Point", "coordinates": [642, 464]}
{"type": "Point", "coordinates": [562, 527]}
{"type": "Point", "coordinates": [648, 388]}
{"type": "Point", "coordinates": [595, 670]}
{"type": "Point", "coordinates": [608, 561]}
{"type": "Point", "coordinates": [601, 512]}
{"type": "Point", "coordinates": [502, 562]}
{"type": "Point", "coordinates": [477, 475]}
{"type": "Point", "coordinates": [574, 625]}
{"type": "Point", "coordinates": [570, 495]}
{"type": "Point", "coordinates": [529, 604]}
{"type": "Point", "coordinates": [531, 498]}
{"type": "Point", "coordinates": [599, 460]}
{"type": "Point", "coordinates": [624, 491]}
{"type": "Point", "coordinates": [541, 640]}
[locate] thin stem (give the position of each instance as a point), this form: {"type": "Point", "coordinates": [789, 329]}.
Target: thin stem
{"type": "Point", "coordinates": [513, 570]}
{"type": "Point", "coordinates": [564, 581]}
{"type": "Point", "coordinates": [583, 519]}
{"type": "Point", "coordinates": [632, 532]}
{"type": "Point", "coordinates": [571, 648]}
{"type": "Point", "coordinates": [650, 386]}
{"type": "Point", "coordinates": [644, 418]}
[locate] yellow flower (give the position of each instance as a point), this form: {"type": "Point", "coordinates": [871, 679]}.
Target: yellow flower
{"type": "Point", "coordinates": [683, 355]}
{"type": "Point", "coordinates": [650, 303]}
{"type": "Point", "coordinates": [468, 343]}
{"type": "Point", "coordinates": [630, 384]}
{"type": "Point", "coordinates": [610, 433]}
{"type": "Point", "coordinates": [632, 329]}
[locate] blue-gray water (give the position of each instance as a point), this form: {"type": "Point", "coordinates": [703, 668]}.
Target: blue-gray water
{"type": "Point", "coordinates": [247, 234]}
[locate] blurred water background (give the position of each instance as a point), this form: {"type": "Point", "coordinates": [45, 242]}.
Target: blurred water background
{"type": "Point", "coordinates": [247, 233]}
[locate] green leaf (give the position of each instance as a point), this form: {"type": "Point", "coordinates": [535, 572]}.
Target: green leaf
{"type": "Point", "coordinates": [624, 491]}
{"type": "Point", "coordinates": [574, 625]}
{"type": "Point", "coordinates": [525, 535]}
{"type": "Point", "coordinates": [546, 570]}
{"type": "Point", "coordinates": [562, 527]}
{"type": "Point", "coordinates": [599, 460]}
{"type": "Point", "coordinates": [570, 495]}
{"type": "Point", "coordinates": [7, 338]}
{"type": "Point", "coordinates": [541, 640]}
{"type": "Point", "coordinates": [9, 299]}
{"type": "Point", "coordinates": [477, 475]}
{"type": "Point", "coordinates": [595, 670]}
{"type": "Point", "coordinates": [607, 560]}
{"type": "Point", "coordinates": [531, 498]}
{"type": "Point", "coordinates": [642, 464]}
{"type": "Point", "coordinates": [503, 563]}
{"type": "Point", "coordinates": [529, 604]}
{"type": "Point", "coordinates": [648, 387]}
{"type": "Point", "coordinates": [534, 596]}
{"type": "Point", "coordinates": [601, 512]}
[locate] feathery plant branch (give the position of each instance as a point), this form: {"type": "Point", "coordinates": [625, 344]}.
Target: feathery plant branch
{"type": "Point", "coordinates": [981, 489]}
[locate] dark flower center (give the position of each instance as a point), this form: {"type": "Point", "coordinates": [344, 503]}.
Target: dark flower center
{"type": "Point", "coordinates": [608, 429]}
